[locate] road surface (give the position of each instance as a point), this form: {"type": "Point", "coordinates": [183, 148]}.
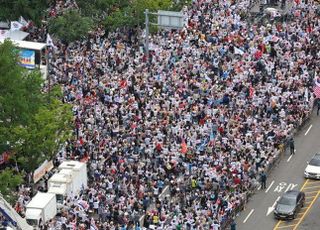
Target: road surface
{"type": "Point", "coordinates": [288, 174]}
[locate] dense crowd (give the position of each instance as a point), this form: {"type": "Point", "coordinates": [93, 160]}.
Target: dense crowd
{"type": "Point", "coordinates": [197, 121]}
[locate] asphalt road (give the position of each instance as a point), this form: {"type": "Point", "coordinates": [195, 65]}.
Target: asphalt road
{"type": "Point", "coordinates": [312, 219]}
{"type": "Point", "coordinates": [288, 174]}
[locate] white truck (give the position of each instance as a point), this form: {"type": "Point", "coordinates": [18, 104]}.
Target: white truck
{"type": "Point", "coordinates": [69, 180]}
{"type": "Point", "coordinates": [42, 208]}
{"type": "Point", "coordinates": [79, 169]}
{"type": "Point", "coordinates": [61, 185]}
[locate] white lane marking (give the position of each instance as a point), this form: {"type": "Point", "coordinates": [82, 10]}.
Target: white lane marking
{"type": "Point", "coordinates": [308, 130]}
{"type": "Point", "coordinates": [280, 187]}
{"type": "Point", "coordinates": [270, 209]}
{"type": "Point", "coordinates": [250, 213]}
{"type": "Point", "coordinates": [287, 189]}
{"type": "Point", "coordinates": [259, 187]}
{"type": "Point", "coordinates": [289, 158]}
{"type": "Point", "coordinates": [269, 186]}
{"type": "Point", "coordinates": [293, 185]}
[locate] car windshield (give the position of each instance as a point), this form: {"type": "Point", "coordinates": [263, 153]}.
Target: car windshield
{"type": "Point", "coordinates": [287, 201]}
{"type": "Point", "coordinates": [315, 162]}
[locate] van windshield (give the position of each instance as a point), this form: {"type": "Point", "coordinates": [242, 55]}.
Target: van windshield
{"type": "Point", "coordinates": [59, 198]}
{"type": "Point", "coordinates": [32, 222]}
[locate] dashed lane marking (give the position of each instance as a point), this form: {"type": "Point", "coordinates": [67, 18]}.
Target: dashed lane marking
{"type": "Point", "coordinates": [308, 130]}
{"type": "Point", "coordinates": [269, 186]}
{"type": "Point", "coordinates": [250, 213]}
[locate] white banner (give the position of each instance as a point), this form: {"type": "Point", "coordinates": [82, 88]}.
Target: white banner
{"type": "Point", "coordinates": [45, 167]}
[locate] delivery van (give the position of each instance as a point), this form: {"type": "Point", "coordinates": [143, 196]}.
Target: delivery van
{"type": "Point", "coordinates": [42, 208]}
{"type": "Point", "coordinates": [80, 178]}
{"type": "Point", "coordinates": [60, 185]}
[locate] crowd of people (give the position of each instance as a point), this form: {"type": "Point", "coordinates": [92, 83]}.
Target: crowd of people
{"type": "Point", "coordinates": [179, 138]}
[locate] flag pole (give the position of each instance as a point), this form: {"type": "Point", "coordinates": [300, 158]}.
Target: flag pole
{"type": "Point", "coordinates": [48, 78]}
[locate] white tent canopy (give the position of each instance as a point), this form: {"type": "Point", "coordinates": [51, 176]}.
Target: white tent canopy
{"type": "Point", "coordinates": [17, 35]}
{"type": "Point", "coordinates": [38, 46]}
{"type": "Point", "coordinates": [30, 45]}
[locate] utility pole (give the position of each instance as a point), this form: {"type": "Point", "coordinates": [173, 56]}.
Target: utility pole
{"type": "Point", "coordinates": [147, 34]}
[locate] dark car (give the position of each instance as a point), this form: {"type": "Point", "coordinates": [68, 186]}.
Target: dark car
{"type": "Point", "coordinates": [289, 204]}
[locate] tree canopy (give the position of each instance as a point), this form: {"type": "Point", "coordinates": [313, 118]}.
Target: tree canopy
{"type": "Point", "coordinates": [132, 14]}
{"type": "Point", "coordinates": [29, 9]}
{"type": "Point", "coordinates": [9, 180]}
{"type": "Point", "coordinates": [75, 24]}
{"type": "Point", "coordinates": [32, 125]}
{"type": "Point", "coordinates": [70, 26]}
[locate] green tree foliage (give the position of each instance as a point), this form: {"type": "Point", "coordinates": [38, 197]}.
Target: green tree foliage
{"type": "Point", "coordinates": [20, 91]}
{"type": "Point", "coordinates": [41, 139]}
{"type": "Point", "coordinates": [70, 26]}
{"type": "Point", "coordinates": [133, 14]}
{"type": "Point", "coordinates": [9, 180]}
{"type": "Point", "coordinates": [29, 9]}
{"type": "Point", "coordinates": [33, 126]}
{"type": "Point", "coordinates": [98, 8]}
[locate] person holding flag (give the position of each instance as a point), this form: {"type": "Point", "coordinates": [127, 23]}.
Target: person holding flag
{"type": "Point", "coordinates": [50, 42]}
{"type": "Point", "coordinates": [24, 22]}
{"type": "Point", "coordinates": [15, 25]}
{"type": "Point", "coordinates": [93, 225]}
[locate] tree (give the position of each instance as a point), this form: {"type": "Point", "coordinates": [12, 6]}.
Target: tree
{"type": "Point", "coordinates": [98, 8]}
{"type": "Point", "coordinates": [133, 14]}
{"type": "Point", "coordinates": [29, 9]}
{"type": "Point", "coordinates": [34, 126]}
{"type": "Point", "coordinates": [40, 140]}
{"type": "Point", "coordinates": [20, 92]}
{"type": "Point", "coordinates": [70, 26]}
{"type": "Point", "coordinates": [9, 180]}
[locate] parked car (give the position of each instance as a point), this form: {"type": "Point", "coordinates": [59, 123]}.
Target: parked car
{"type": "Point", "coordinates": [313, 168]}
{"type": "Point", "coordinates": [289, 204]}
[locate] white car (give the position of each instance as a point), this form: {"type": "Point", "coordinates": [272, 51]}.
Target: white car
{"type": "Point", "coordinates": [313, 168]}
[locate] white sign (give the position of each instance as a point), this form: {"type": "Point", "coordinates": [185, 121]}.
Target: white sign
{"type": "Point", "coordinates": [170, 19]}
{"type": "Point", "coordinates": [45, 167]}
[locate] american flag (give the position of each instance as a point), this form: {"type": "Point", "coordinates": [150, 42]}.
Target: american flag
{"type": "Point", "coordinates": [83, 205]}
{"type": "Point", "coordinates": [316, 88]}
{"type": "Point", "coordinates": [93, 225]}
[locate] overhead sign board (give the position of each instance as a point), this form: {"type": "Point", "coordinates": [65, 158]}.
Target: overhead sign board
{"type": "Point", "coordinates": [170, 19]}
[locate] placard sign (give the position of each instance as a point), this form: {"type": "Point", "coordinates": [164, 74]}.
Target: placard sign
{"type": "Point", "coordinates": [27, 58]}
